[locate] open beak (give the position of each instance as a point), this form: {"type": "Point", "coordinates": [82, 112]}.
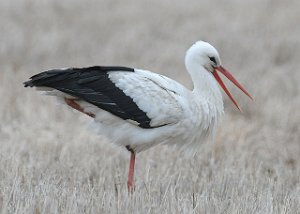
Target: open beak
{"type": "Point", "coordinates": [232, 79]}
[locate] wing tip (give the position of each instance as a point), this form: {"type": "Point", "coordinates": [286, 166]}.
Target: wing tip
{"type": "Point", "coordinates": [28, 83]}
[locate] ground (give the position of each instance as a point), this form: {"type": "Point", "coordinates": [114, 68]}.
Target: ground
{"type": "Point", "coordinates": [51, 163]}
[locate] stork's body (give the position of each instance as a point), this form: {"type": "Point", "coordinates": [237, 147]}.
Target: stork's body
{"type": "Point", "coordinates": [138, 109]}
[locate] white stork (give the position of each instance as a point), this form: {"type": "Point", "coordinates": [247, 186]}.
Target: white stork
{"type": "Point", "coordinates": [138, 109]}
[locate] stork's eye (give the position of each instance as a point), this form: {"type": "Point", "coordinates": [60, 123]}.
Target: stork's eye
{"type": "Point", "coordinates": [213, 59]}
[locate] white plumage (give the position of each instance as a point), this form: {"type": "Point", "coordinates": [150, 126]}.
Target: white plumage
{"type": "Point", "coordinates": [162, 110]}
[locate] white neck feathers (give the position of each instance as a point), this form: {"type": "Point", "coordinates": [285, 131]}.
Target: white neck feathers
{"type": "Point", "coordinates": [206, 87]}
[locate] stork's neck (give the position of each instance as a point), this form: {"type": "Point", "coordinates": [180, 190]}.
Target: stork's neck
{"type": "Point", "coordinates": [206, 87]}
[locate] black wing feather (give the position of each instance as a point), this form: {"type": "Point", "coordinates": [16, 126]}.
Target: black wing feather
{"type": "Point", "coordinates": [93, 85]}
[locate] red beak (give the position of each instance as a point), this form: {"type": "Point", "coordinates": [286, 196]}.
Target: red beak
{"type": "Point", "coordinates": [233, 80]}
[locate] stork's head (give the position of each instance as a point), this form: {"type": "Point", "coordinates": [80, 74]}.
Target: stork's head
{"type": "Point", "coordinates": [203, 54]}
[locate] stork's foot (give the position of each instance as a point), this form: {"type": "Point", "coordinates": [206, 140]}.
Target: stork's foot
{"type": "Point", "coordinates": [130, 187]}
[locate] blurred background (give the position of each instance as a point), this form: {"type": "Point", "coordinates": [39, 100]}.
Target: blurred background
{"type": "Point", "coordinates": [49, 160]}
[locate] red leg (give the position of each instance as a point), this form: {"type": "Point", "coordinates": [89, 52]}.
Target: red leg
{"type": "Point", "coordinates": [75, 105]}
{"type": "Point", "coordinates": [130, 183]}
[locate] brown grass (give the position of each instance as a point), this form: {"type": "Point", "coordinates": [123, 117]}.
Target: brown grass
{"type": "Point", "coordinates": [49, 161]}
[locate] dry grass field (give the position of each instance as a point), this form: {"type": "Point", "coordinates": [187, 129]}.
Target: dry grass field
{"type": "Point", "coordinates": [50, 162]}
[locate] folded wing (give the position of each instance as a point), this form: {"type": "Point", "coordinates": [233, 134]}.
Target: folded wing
{"type": "Point", "coordinates": [137, 96]}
